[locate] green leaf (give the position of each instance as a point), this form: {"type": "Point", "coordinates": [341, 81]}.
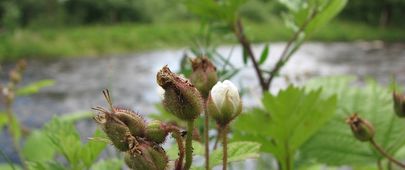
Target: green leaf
{"type": "Point", "coordinates": [34, 87]}
{"type": "Point", "coordinates": [264, 55]}
{"type": "Point", "coordinates": [295, 116]}
{"type": "Point", "coordinates": [245, 56]}
{"type": "Point", "coordinates": [3, 119]}
{"type": "Point", "coordinates": [173, 151]}
{"type": "Point", "coordinates": [335, 145]}
{"type": "Point", "coordinates": [327, 11]}
{"type": "Point", "coordinates": [65, 139]}
{"type": "Point", "coordinates": [76, 116]}
{"type": "Point", "coordinates": [38, 147]}
{"type": "Point", "coordinates": [112, 164]}
{"type": "Point", "coordinates": [237, 151]}
{"type": "Point", "coordinates": [92, 149]}
{"type": "Point", "coordinates": [5, 166]}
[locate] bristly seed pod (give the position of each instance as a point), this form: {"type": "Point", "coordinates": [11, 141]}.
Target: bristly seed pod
{"type": "Point", "coordinates": [181, 98]}
{"type": "Point", "coordinates": [150, 158]}
{"type": "Point", "coordinates": [117, 132]}
{"type": "Point", "coordinates": [156, 132]}
{"type": "Point", "coordinates": [204, 75]}
{"type": "Point", "coordinates": [120, 125]}
{"type": "Point", "coordinates": [362, 129]}
{"type": "Point", "coordinates": [399, 104]}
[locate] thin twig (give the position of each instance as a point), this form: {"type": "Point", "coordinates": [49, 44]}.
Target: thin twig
{"type": "Point", "coordinates": [285, 55]}
{"type": "Point", "coordinates": [180, 143]}
{"type": "Point", "coordinates": [379, 165]}
{"type": "Point", "coordinates": [385, 154]}
{"type": "Point", "coordinates": [238, 31]}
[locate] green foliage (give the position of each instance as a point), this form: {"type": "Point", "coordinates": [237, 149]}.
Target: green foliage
{"type": "Point", "coordinates": [34, 88]}
{"type": "Point", "coordinates": [237, 151]}
{"type": "Point", "coordinates": [334, 144]}
{"type": "Point", "coordinates": [265, 54]}
{"type": "Point", "coordinates": [288, 120]}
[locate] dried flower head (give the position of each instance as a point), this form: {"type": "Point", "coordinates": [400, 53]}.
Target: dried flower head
{"type": "Point", "coordinates": [181, 98]}
{"type": "Point", "coordinates": [150, 157]}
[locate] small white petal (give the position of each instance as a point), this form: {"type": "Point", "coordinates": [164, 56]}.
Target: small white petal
{"type": "Point", "coordinates": [219, 91]}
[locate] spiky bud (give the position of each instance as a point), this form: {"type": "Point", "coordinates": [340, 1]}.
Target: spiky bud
{"type": "Point", "coordinates": [156, 132]}
{"type": "Point", "coordinates": [224, 102]}
{"type": "Point", "coordinates": [362, 129]}
{"type": "Point", "coordinates": [204, 75]}
{"type": "Point", "coordinates": [399, 104]}
{"type": "Point", "coordinates": [116, 131]}
{"type": "Point", "coordinates": [181, 98]}
{"type": "Point", "coordinates": [135, 122]}
{"type": "Point", "coordinates": [150, 158]}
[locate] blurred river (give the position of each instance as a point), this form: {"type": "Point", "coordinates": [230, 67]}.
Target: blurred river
{"type": "Point", "coordinates": [131, 78]}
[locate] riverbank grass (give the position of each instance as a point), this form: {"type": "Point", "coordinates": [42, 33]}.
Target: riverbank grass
{"type": "Point", "coordinates": [100, 40]}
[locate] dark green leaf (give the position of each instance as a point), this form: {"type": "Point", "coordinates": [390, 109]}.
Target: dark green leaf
{"type": "Point", "coordinates": [245, 56]}
{"type": "Point", "coordinates": [264, 55]}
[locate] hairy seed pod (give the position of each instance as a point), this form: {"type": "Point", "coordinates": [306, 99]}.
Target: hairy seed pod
{"type": "Point", "coordinates": [181, 98]}
{"type": "Point", "coordinates": [156, 132]}
{"type": "Point", "coordinates": [149, 158]}
{"type": "Point", "coordinates": [362, 129]}
{"type": "Point", "coordinates": [204, 75]}
{"type": "Point", "coordinates": [135, 122]}
{"type": "Point", "coordinates": [117, 132]}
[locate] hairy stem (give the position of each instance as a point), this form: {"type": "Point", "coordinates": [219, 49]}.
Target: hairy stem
{"type": "Point", "coordinates": [224, 147]}
{"type": "Point", "coordinates": [189, 144]}
{"type": "Point", "coordinates": [385, 154]}
{"type": "Point", "coordinates": [180, 143]}
{"type": "Point", "coordinates": [207, 139]}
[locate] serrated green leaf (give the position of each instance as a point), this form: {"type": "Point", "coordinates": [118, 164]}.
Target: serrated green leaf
{"type": "Point", "coordinates": [38, 147]}
{"type": "Point", "coordinates": [34, 87]}
{"type": "Point", "coordinates": [334, 144]}
{"type": "Point", "coordinates": [92, 149]}
{"type": "Point", "coordinates": [76, 116]}
{"type": "Point", "coordinates": [290, 118]}
{"type": "Point", "coordinates": [264, 55]}
{"type": "Point", "coordinates": [237, 151]}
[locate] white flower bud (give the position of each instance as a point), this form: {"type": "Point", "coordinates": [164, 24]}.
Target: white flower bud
{"type": "Point", "coordinates": [224, 102]}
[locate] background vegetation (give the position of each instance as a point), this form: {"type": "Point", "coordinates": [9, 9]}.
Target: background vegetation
{"type": "Point", "coordinates": [52, 28]}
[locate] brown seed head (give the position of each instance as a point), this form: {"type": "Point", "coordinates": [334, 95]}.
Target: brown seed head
{"type": "Point", "coordinates": [362, 129]}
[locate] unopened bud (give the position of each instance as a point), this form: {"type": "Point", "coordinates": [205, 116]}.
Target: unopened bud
{"type": "Point", "coordinates": [21, 65]}
{"type": "Point", "coordinates": [181, 98]}
{"type": "Point", "coordinates": [156, 132]}
{"type": "Point", "coordinates": [399, 104]}
{"type": "Point", "coordinates": [117, 132]}
{"type": "Point", "coordinates": [204, 75]}
{"type": "Point", "coordinates": [362, 129]}
{"type": "Point", "coordinates": [224, 102]}
{"type": "Point", "coordinates": [135, 122]}
{"type": "Point", "coordinates": [149, 157]}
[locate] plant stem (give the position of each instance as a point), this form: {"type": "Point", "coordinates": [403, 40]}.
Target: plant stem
{"type": "Point", "coordinates": [11, 124]}
{"type": "Point", "coordinates": [224, 147]}
{"type": "Point", "coordinates": [180, 143]}
{"type": "Point", "coordinates": [286, 55]}
{"type": "Point", "coordinates": [219, 134]}
{"type": "Point", "coordinates": [238, 31]}
{"type": "Point", "coordinates": [207, 139]}
{"type": "Point", "coordinates": [385, 154]}
{"type": "Point", "coordinates": [189, 144]}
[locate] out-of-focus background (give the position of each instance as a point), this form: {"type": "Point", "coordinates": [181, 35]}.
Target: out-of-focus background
{"type": "Point", "coordinates": [76, 28]}
{"type": "Point", "coordinates": [84, 46]}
